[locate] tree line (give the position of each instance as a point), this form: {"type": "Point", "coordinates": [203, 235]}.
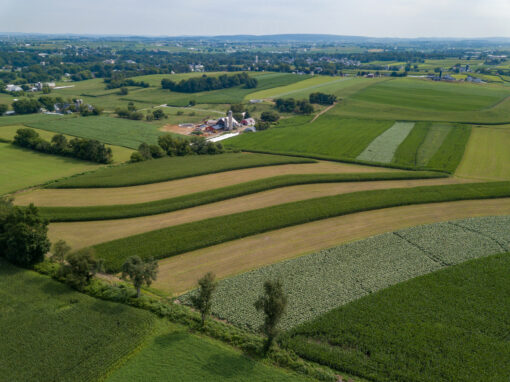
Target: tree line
{"type": "Point", "coordinates": [32, 106]}
{"type": "Point", "coordinates": [207, 83]}
{"type": "Point", "coordinates": [80, 148]}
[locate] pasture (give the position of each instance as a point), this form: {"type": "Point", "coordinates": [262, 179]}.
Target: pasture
{"type": "Point", "coordinates": [171, 353]}
{"type": "Point", "coordinates": [450, 325]}
{"type": "Point", "coordinates": [487, 154]}
{"type": "Point", "coordinates": [178, 274]}
{"type": "Point", "coordinates": [120, 154]}
{"type": "Point", "coordinates": [114, 131]}
{"type": "Point", "coordinates": [171, 168]}
{"type": "Point", "coordinates": [23, 168]}
{"type": "Point", "coordinates": [52, 333]}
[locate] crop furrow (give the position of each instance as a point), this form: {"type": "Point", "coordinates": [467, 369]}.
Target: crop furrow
{"type": "Point", "coordinates": [430, 255]}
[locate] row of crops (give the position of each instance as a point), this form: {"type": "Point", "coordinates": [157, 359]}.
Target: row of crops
{"type": "Point", "coordinates": [325, 280]}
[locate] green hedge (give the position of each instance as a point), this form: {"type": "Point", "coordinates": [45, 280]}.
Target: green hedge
{"type": "Point", "coordinates": [61, 214]}
{"type": "Point", "coordinates": [178, 239]}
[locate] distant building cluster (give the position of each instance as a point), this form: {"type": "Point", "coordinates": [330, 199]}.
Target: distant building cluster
{"type": "Point", "coordinates": [223, 124]}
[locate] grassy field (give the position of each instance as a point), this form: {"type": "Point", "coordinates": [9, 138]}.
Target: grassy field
{"type": "Point", "coordinates": [178, 274]}
{"type": "Point", "coordinates": [120, 211]}
{"type": "Point", "coordinates": [170, 168]}
{"type": "Point", "coordinates": [115, 131]}
{"type": "Point", "coordinates": [322, 281]}
{"type": "Point", "coordinates": [27, 118]}
{"type": "Point", "coordinates": [74, 197]}
{"type": "Point", "coordinates": [487, 154]}
{"type": "Point", "coordinates": [120, 154]}
{"type": "Point", "coordinates": [52, 333]}
{"type": "Point", "coordinates": [451, 325]}
{"type": "Point", "coordinates": [178, 239]}
{"type": "Point", "coordinates": [22, 168]}
{"type": "Point", "coordinates": [173, 354]}
{"type": "Point", "coordinates": [327, 137]}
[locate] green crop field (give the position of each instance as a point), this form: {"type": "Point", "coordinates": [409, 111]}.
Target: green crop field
{"type": "Point", "coordinates": [170, 168]}
{"type": "Point", "coordinates": [120, 154]}
{"type": "Point", "coordinates": [297, 89]}
{"type": "Point", "coordinates": [182, 238]}
{"type": "Point", "coordinates": [51, 333]}
{"type": "Point", "coordinates": [327, 137]}
{"type": "Point", "coordinates": [487, 154]}
{"type": "Point", "coordinates": [451, 325]}
{"type": "Point", "coordinates": [322, 281]}
{"type": "Point", "coordinates": [172, 354]}
{"type": "Point", "coordinates": [21, 168]}
{"type": "Point", "coordinates": [104, 212]}
{"type": "Point", "coordinates": [27, 118]}
{"type": "Point", "coordinates": [115, 131]}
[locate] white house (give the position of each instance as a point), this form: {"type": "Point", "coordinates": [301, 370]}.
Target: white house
{"type": "Point", "coordinates": [13, 88]}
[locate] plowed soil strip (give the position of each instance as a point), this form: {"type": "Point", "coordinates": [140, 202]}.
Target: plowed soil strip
{"type": "Point", "coordinates": [179, 273]}
{"type": "Point", "coordinates": [157, 191]}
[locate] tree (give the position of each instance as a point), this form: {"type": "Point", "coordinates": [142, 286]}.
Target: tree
{"type": "Point", "coordinates": [123, 91]}
{"type": "Point", "coordinates": [23, 234]}
{"type": "Point", "coordinates": [60, 251]}
{"type": "Point", "coordinates": [273, 304]}
{"type": "Point", "coordinates": [145, 151]}
{"type": "Point", "coordinates": [81, 267]}
{"type": "Point", "coordinates": [59, 144]}
{"type": "Point", "coordinates": [202, 301]}
{"type": "Point", "coordinates": [26, 106]}
{"type": "Point", "coordinates": [269, 116]}
{"type": "Point", "coordinates": [158, 114]}
{"type": "Point", "coordinates": [3, 108]}
{"type": "Point", "coordinates": [140, 272]}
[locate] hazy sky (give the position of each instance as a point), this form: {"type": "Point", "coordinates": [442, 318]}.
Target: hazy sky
{"type": "Point", "coordinates": [380, 18]}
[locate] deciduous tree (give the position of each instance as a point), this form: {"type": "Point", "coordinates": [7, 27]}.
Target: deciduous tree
{"type": "Point", "coordinates": [140, 272]}
{"type": "Point", "coordinates": [202, 300]}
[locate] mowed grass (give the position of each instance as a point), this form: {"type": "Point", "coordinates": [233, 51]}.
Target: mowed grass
{"type": "Point", "coordinates": [173, 354]}
{"type": "Point", "coordinates": [21, 168]}
{"type": "Point", "coordinates": [120, 211]}
{"type": "Point", "coordinates": [114, 131]}
{"type": "Point", "coordinates": [51, 333]}
{"type": "Point", "coordinates": [425, 94]}
{"type": "Point", "coordinates": [179, 274]}
{"type": "Point", "coordinates": [171, 168]}
{"type": "Point", "coordinates": [327, 137]}
{"type": "Point", "coordinates": [182, 238]}
{"type": "Point", "coordinates": [487, 154]}
{"type": "Point", "coordinates": [451, 325]}
{"type": "Point", "coordinates": [120, 154]}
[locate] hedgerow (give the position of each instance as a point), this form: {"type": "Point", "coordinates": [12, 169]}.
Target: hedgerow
{"type": "Point", "coordinates": [173, 240]}
{"type": "Point", "coordinates": [60, 214]}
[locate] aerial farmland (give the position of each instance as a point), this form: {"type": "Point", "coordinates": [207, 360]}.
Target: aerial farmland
{"type": "Point", "coordinates": [264, 208]}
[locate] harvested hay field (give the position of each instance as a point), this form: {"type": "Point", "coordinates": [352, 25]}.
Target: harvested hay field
{"type": "Point", "coordinates": [81, 234]}
{"type": "Point", "coordinates": [182, 130]}
{"type": "Point", "coordinates": [156, 191]}
{"type": "Point", "coordinates": [180, 273]}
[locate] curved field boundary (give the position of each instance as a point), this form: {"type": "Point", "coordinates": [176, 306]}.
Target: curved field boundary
{"type": "Point", "coordinates": [85, 233]}
{"type": "Point", "coordinates": [317, 283]}
{"type": "Point", "coordinates": [180, 273]}
{"type": "Point", "coordinates": [60, 214]}
{"type": "Point", "coordinates": [77, 197]}
{"type": "Point", "coordinates": [171, 168]}
{"type": "Point", "coordinates": [174, 240]}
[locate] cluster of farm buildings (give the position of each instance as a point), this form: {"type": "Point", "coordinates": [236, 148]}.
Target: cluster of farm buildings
{"type": "Point", "coordinates": [223, 124]}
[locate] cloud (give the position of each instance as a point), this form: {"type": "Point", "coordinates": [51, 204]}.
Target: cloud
{"type": "Point", "coordinates": [391, 18]}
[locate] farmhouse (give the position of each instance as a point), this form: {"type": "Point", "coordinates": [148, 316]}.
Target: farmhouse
{"type": "Point", "coordinates": [13, 88]}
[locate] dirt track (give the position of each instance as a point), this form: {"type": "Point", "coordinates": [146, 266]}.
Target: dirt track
{"type": "Point", "coordinates": [164, 190]}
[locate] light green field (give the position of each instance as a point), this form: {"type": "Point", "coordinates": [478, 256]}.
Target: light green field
{"type": "Point", "coordinates": [172, 354]}
{"type": "Point", "coordinates": [297, 89]}
{"type": "Point", "coordinates": [435, 137]}
{"type": "Point", "coordinates": [115, 131]}
{"type": "Point", "coordinates": [120, 154]}
{"type": "Point", "coordinates": [487, 154]}
{"type": "Point", "coordinates": [22, 168]}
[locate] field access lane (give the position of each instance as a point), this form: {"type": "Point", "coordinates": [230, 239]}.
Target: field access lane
{"type": "Point", "coordinates": [174, 188]}
{"type": "Point", "coordinates": [81, 234]}
{"type": "Point", "coordinates": [180, 273]}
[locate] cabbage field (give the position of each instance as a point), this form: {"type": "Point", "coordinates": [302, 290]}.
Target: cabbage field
{"type": "Point", "coordinates": [325, 280]}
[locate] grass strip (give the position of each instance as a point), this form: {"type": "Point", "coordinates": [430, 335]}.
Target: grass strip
{"type": "Point", "coordinates": [182, 238]}
{"type": "Point", "coordinates": [171, 168]}
{"type": "Point", "coordinates": [68, 214]}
